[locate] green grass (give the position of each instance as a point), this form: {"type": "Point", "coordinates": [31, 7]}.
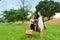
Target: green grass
{"type": "Point", "coordinates": [17, 32]}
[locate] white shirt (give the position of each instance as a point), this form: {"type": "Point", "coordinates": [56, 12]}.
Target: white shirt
{"type": "Point", "coordinates": [40, 23]}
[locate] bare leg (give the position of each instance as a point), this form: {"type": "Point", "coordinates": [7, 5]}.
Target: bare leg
{"type": "Point", "coordinates": [41, 33]}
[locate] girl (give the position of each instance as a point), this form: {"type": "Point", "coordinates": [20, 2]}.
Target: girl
{"type": "Point", "coordinates": [40, 24]}
{"type": "Point", "coordinates": [32, 22]}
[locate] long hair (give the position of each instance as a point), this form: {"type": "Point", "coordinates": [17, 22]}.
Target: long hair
{"type": "Point", "coordinates": [37, 16]}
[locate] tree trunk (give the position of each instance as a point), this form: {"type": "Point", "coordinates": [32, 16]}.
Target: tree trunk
{"type": "Point", "coordinates": [48, 18]}
{"type": "Point", "coordinates": [23, 21]}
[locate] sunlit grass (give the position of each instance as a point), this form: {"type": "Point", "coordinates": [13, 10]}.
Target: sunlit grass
{"type": "Point", "coordinates": [17, 32]}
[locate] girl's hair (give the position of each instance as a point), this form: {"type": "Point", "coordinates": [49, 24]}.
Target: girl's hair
{"type": "Point", "coordinates": [34, 16]}
{"type": "Point", "coordinates": [37, 15]}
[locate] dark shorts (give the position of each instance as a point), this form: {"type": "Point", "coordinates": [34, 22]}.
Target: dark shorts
{"type": "Point", "coordinates": [32, 26]}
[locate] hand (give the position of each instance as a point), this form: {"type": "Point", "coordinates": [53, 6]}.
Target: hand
{"type": "Point", "coordinates": [44, 27]}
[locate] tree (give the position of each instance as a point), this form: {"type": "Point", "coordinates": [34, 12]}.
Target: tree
{"type": "Point", "coordinates": [23, 11]}
{"type": "Point", "coordinates": [2, 20]}
{"type": "Point", "coordinates": [19, 14]}
{"type": "Point", "coordinates": [48, 8]}
{"type": "Point", "coordinates": [13, 15]}
{"type": "Point", "coordinates": [9, 15]}
{"type": "Point", "coordinates": [22, 15]}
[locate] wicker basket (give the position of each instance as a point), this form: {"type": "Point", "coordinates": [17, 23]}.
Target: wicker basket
{"type": "Point", "coordinates": [29, 32]}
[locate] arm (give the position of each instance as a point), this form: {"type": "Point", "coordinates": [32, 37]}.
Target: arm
{"type": "Point", "coordinates": [43, 23]}
{"type": "Point", "coordinates": [29, 23]}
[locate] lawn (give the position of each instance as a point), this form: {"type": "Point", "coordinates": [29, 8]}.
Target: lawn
{"type": "Point", "coordinates": [17, 32]}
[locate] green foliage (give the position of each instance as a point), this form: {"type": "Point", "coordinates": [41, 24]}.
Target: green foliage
{"type": "Point", "coordinates": [13, 15]}
{"type": "Point", "coordinates": [9, 15]}
{"type": "Point", "coordinates": [22, 14]}
{"type": "Point", "coordinates": [48, 8]}
{"type": "Point", "coordinates": [19, 14]}
{"type": "Point", "coordinates": [2, 20]}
